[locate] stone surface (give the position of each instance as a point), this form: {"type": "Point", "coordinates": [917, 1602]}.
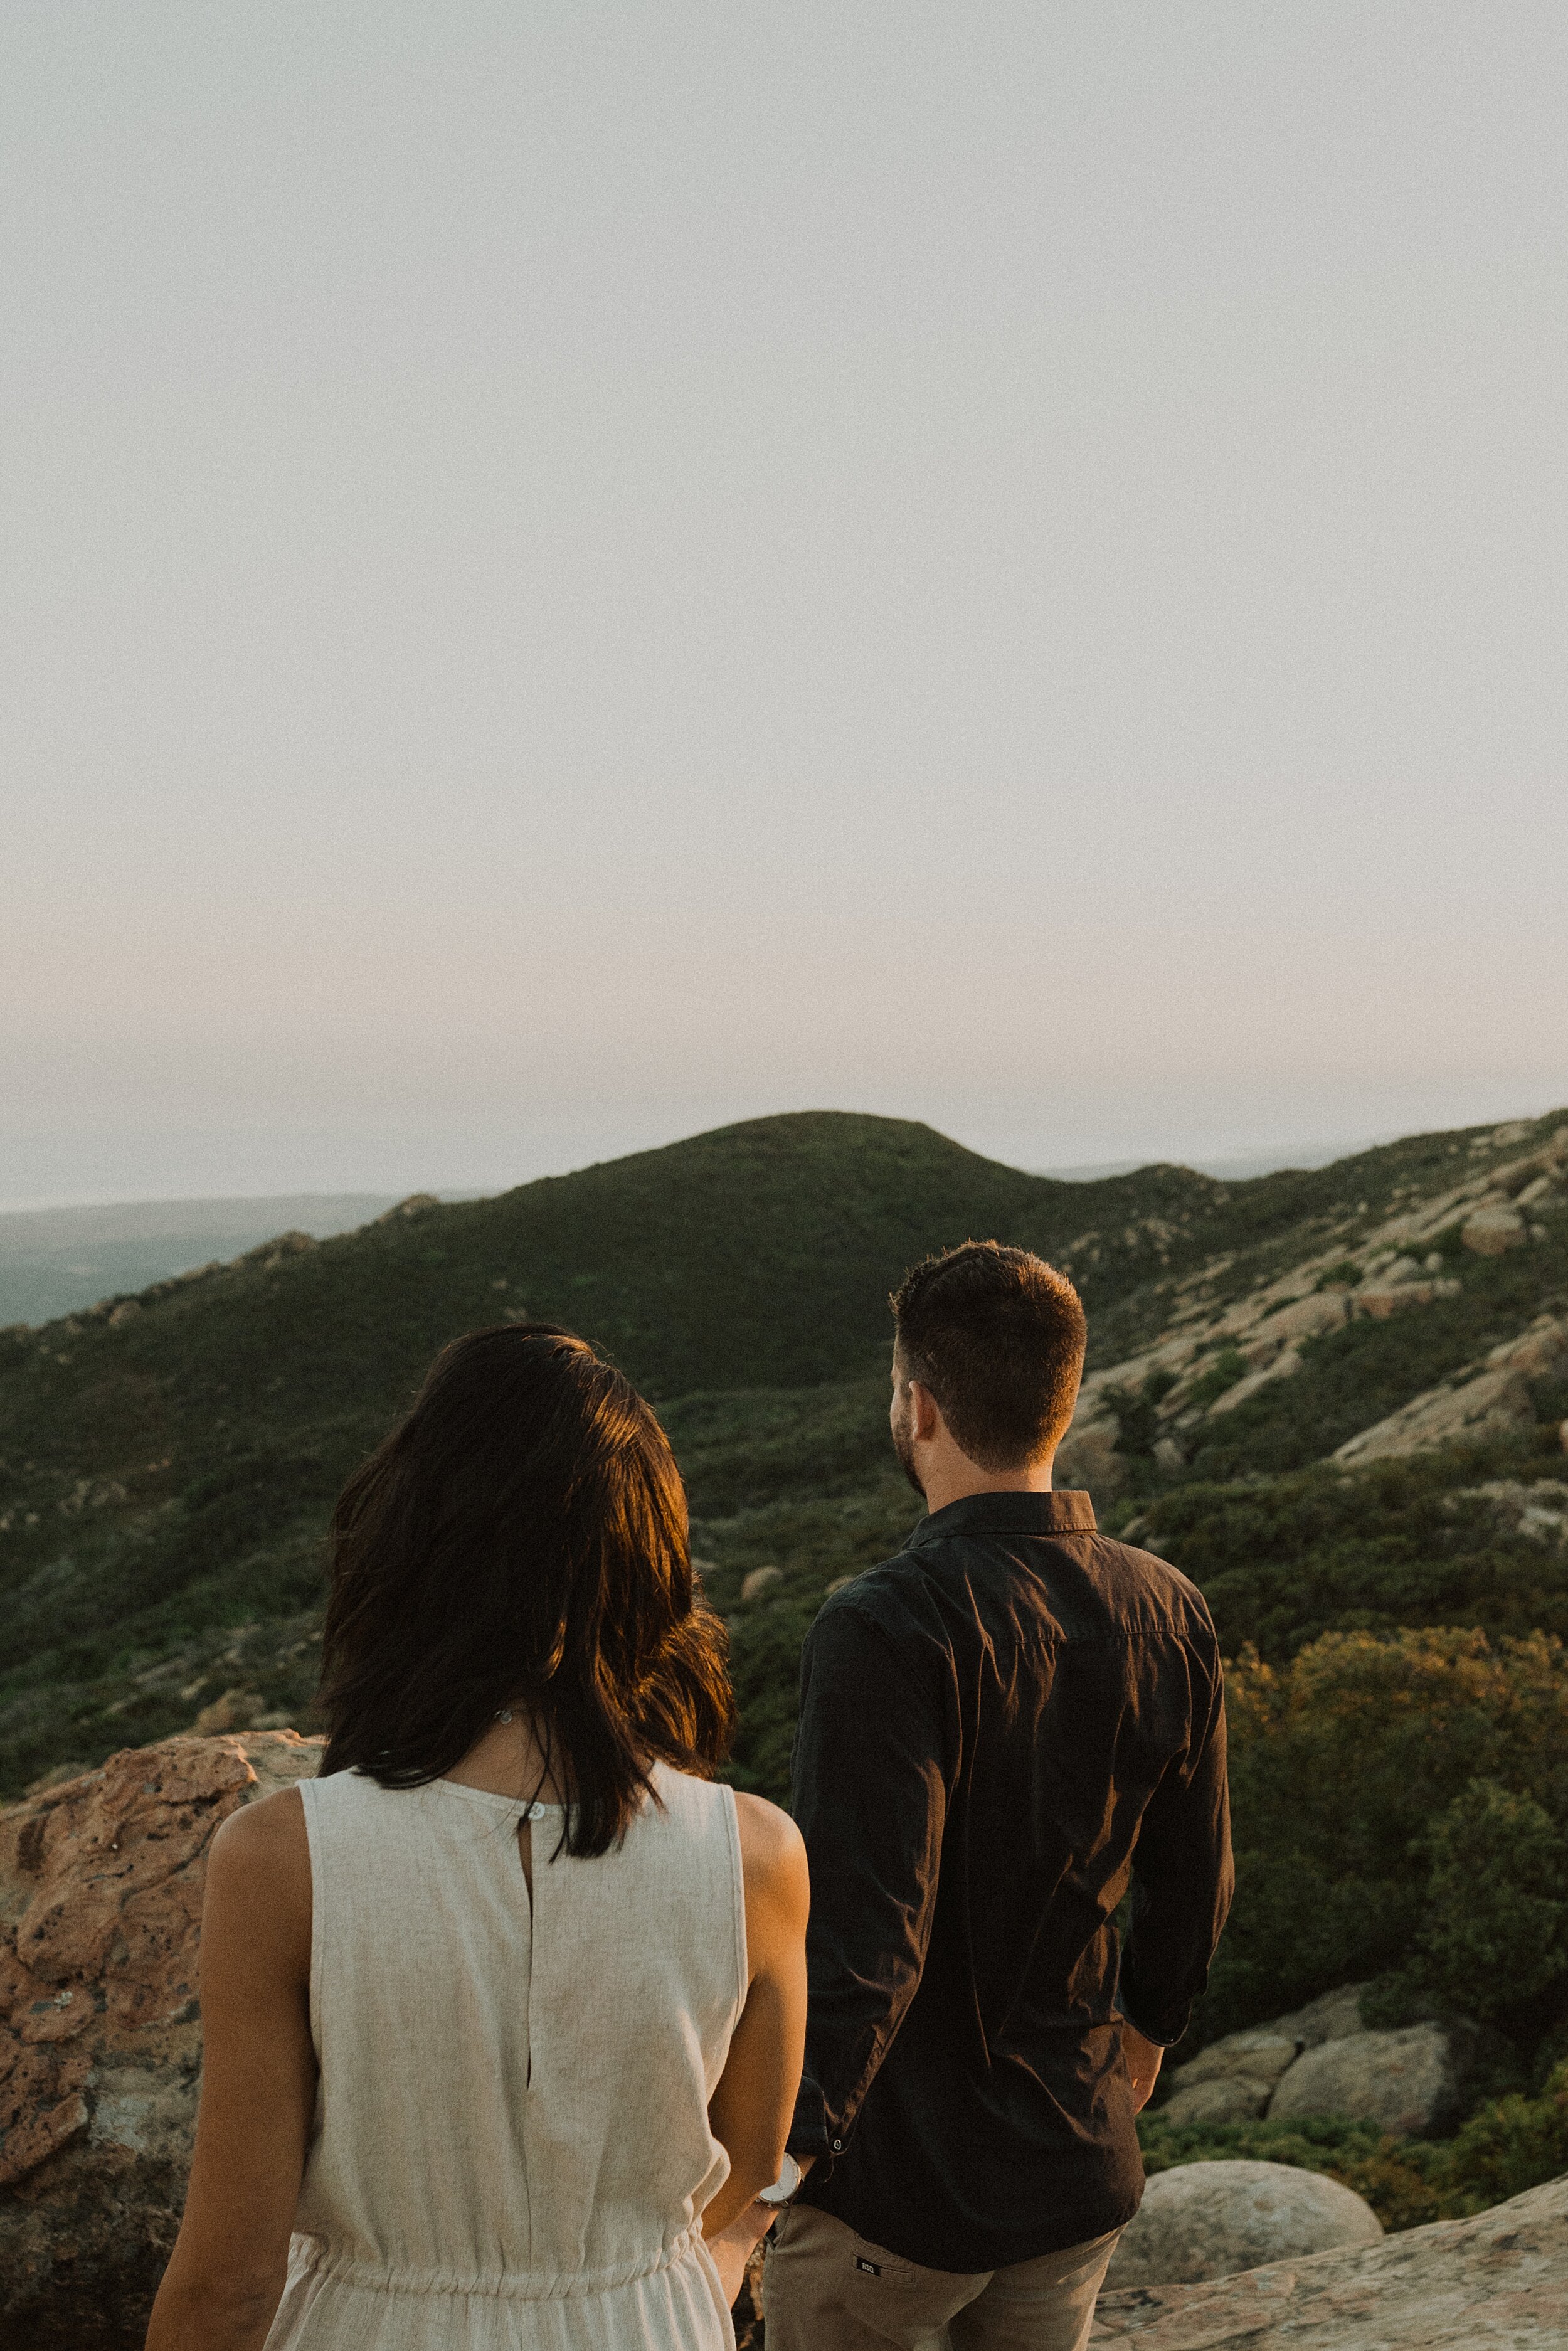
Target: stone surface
{"type": "Point", "coordinates": [1539, 1353]}
{"type": "Point", "coordinates": [1412, 2082]}
{"type": "Point", "coordinates": [1332, 2016]}
{"type": "Point", "coordinates": [1232, 2080]}
{"type": "Point", "coordinates": [1087, 1459]}
{"type": "Point", "coordinates": [1320, 2060]}
{"type": "Point", "coordinates": [1282, 1366]}
{"type": "Point", "coordinates": [1538, 1509]}
{"type": "Point", "coordinates": [100, 1893]}
{"type": "Point", "coordinates": [1209, 2219]}
{"type": "Point", "coordinates": [1495, 1397]}
{"type": "Point", "coordinates": [1307, 1317]}
{"type": "Point", "coordinates": [1492, 1227]}
{"type": "Point", "coordinates": [1217, 2098]}
{"type": "Point", "coordinates": [1384, 1297]}
{"type": "Point", "coordinates": [1498, 2282]}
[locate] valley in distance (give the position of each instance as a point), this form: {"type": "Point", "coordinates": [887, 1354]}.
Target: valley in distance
{"type": "Point", "coordinates": [1336, 1398]}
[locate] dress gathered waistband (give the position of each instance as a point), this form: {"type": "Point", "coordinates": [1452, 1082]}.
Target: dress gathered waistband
{"type": "Point", "coordinates": [313, 2256]}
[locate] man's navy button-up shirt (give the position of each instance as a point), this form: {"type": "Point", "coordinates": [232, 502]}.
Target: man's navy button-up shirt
{"type": "Point", "coordinates": [1003, 1730]}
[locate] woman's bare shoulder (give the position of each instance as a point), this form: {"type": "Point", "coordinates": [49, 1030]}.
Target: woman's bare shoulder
{"type": "Point", "coordinates": [772, 1850]}
{"type": "Point", "coordinates": [258, 1901]}
{"type": "Point", "coordinates": [267, 1838]}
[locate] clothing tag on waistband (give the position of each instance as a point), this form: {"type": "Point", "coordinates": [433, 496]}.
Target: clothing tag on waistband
{"type": "Point", "coordinates": [867, 2269]}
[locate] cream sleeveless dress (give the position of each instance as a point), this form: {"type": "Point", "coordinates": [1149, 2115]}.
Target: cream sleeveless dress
{"type": "Point", "coordinates": [511, 2149]}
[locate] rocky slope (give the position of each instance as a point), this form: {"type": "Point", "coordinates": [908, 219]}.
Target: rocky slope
{"type": "Point", "coordinates": [1214, 1357]}
{"type": "Point", "coordinates": [1334, 1398]}
{"type": "Point", "coordinates": [167, 1460]}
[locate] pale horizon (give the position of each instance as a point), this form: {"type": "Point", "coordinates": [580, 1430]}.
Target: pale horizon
{"type": "Point", "coordinates": [1238, 1164]}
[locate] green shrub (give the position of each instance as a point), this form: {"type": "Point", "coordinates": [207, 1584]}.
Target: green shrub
{"type": "Point", "coordinates": [1405, 1541]}
{"type": "Point", "coordinates": [1397, 1796]}
{"type": "Point", "coordinates": [1227, 1368]}
{"type": "Point", "coordinates": [1511, 2144]}
{"type": "Point", "coordinates": [1492, 1934]}
{"type": "Point", "coordinates": [1136, 1414]}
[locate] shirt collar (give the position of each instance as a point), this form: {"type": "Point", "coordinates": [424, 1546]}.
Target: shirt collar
{"type": "Point", "coordinates": [1009, 1514]}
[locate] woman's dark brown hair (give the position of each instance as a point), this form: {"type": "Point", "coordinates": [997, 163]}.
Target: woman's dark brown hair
{"type": "Point", "coordinates": [521, 1539]}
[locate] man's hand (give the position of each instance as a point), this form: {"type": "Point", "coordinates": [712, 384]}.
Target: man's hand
{"type": "Point", "coordinates": [1142, 2062]}
{"type": "Point", "coordinates": [733, 2247]}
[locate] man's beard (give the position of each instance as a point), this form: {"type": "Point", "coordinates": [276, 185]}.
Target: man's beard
{"type": "Point", "coordinates": [903, 1447]}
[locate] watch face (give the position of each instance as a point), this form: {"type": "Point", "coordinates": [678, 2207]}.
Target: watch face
{"type": "Point", "coordinates": [784, 2187]}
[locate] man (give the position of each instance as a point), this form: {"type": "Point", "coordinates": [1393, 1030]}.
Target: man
{"type": "Point", "coordinates": [1003, 1730]}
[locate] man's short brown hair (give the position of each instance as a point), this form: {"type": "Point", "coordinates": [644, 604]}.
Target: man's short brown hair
{"type": "Point", "coordinates": [997, 1335]}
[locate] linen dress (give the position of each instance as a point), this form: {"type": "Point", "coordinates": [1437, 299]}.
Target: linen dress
{"type": "Point", "coordinates": [510, 2149]}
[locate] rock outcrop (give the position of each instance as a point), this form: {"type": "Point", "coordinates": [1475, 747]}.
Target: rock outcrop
{"type": "Point", "coordinates": [1233, 2080]}
{"type": "Point", "coordinates": [1498, 2282]}
{"type": "Point", "coordinates": [1087, 1456]}
{"type": "Point", "coordinates": [1492, 1227]}
{"type": "Point", "coordinates": [1412, 2080]}
{"type": "Point", "coordinates": [101, 1895]}
{"type": "Point", "coordinates": [1209, 2219]}
{"type": "Point", "coordinates": [1489, 1399]}
{"type": "Point", "coordinates": [1392, 1292]}
{"type": "Point", "coordinates": [1392, 1269]}
{"type": "Point", "coordinates": [1539, 1509]}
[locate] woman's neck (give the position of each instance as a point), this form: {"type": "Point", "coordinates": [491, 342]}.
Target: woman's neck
{"type": "Point", "coordinates": [511, 1758]}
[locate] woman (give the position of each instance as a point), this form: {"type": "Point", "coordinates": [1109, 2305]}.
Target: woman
{"type": "Point", "coordinates": [505, 2012]}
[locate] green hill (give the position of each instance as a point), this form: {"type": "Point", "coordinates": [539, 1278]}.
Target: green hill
{"type": "Point", "coordinates": [167, 1462]}
{"type": "Point", "coordinates": [1333, 1397]}
{"type": "Point", "coordinates": [1337, 1398]}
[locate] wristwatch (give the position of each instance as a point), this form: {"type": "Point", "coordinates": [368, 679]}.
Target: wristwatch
{"type": "Point", "coordinates": [784, 2187]}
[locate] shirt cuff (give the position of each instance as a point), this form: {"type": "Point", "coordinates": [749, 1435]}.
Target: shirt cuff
{"type": "Point", "coordinates": [1166, 2040]}
{"type": "Point", "coordinates": [808, 2128]}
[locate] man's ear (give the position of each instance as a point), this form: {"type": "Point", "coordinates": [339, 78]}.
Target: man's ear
{"type": "Point", "coordinates": [925, 1413]}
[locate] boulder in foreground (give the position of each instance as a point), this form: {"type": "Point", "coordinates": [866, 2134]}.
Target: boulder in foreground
{"type": "Point", "coordinates": [1498, 2282]}
{"type": "Point", "coordinates": [1209, 2219]}
{"type": "Point", "coordinates": [100, 1904]}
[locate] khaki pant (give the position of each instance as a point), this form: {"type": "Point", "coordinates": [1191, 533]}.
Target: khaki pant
{"type": "Point", "coordinates": [825, 2288]}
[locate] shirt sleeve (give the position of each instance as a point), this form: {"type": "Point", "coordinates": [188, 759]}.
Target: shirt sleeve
{"type": "Point", "coordinates": [1182, 1877]}
{"type": "Point", "coordinates": [870, 1801]}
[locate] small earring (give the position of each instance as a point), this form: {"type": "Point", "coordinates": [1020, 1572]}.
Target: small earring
{"type": "Point", "coordinates": [502, 1714]}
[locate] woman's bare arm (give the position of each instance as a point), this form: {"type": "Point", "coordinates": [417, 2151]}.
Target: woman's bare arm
{"type": "Point", "coordinates": [751, 2108]}
{"type": "Point", "coordinates": [221, 2290]}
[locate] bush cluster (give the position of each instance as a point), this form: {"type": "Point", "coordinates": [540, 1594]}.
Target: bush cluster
{"type": "Point", "coordinates": [1400, 1805]}
{"type": "Point", "coordinates": [1512, 2143]}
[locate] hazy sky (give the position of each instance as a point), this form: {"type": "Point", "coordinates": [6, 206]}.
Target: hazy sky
{"type": "Point", "coordinates": [574, 573]}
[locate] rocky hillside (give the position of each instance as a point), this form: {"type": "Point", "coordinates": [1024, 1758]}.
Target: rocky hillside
{"type": "Point", "coordinates": [1221, 1384]}
{"type": "Point", "coordinates": [1337, 1398]}
{"type": "Point", "coordinates": [1333, 1396]}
